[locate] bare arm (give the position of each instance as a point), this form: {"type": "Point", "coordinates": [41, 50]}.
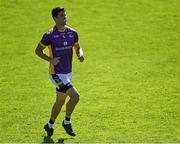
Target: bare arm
{"type": "Point", "coordinates": [79, 52]}
{"type": "Point", "coordinates": [39, 52]}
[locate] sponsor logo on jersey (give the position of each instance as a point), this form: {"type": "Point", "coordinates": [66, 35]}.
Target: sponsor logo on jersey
{"type": "Point", "coordinates": [56, 36]}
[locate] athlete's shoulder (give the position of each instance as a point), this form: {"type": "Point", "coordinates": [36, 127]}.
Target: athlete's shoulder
{"type": "Point", "coordinates": [50, 31]}
{"type": "Point", "coordinates": [70, 29]}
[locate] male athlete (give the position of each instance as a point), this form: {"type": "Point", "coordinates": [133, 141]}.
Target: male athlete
{"type": "Point", "coordinates": [60, 40]}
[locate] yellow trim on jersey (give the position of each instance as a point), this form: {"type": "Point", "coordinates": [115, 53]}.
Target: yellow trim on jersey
{"type": "Point", "coordinates": [51, 67]}
{"type": "Point", "coordinates": [61, 30]}
{"type": "Point", "coordinates": [42, 44]}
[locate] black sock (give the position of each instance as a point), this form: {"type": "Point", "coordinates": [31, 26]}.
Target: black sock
{"type": "Point", "coordinates": [68, 119]}
{"type": "Point", "coordinates": [51, 121]}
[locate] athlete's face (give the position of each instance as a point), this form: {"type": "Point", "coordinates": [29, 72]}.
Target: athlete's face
{"type": "Point", "coordinates": [61, 18]}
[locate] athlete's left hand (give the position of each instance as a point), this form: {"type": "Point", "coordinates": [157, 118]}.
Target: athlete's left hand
{"type": "Point", "coordinates": [81, 58]}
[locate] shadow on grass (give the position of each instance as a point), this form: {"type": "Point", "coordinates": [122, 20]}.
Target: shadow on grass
{"type": "Point", "coordinates": [48, 139]}
{"type": "Point", "coordinates": [61, 140]}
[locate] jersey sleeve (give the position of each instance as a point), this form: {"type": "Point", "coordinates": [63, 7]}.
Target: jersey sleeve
{"type": "Point", "coordinates": [45, 41]}
{"type": "Point", "coordinates": [76, 38]}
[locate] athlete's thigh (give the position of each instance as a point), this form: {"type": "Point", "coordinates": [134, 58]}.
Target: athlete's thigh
{"type": "Point", "coordinates": [60, 96]}
{"type": "Point", "coordinates": [72, 92]}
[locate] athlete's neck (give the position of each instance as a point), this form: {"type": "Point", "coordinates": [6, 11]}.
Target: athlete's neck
{"type": "Point", "coordinates": [60, 27]}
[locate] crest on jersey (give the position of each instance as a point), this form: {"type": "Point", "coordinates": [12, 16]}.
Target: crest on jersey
{"type": "Point", "coordinates": [70, 35]}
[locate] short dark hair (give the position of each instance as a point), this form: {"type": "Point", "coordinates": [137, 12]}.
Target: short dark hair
{"type": "Point", "coordinates": [55, 11]}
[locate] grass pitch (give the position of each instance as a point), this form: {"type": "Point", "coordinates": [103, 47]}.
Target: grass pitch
{"type": "Point", "coordinates": [129, 82]}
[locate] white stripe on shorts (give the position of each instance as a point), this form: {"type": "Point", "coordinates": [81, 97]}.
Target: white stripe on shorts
{"type": "Point", "coordinates": [66, 78]}
{"type": "Point", "coordinates": [53, 81]}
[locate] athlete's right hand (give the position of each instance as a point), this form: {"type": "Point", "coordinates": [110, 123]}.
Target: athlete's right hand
{"type": "Point", "coordinates": [55, 60]}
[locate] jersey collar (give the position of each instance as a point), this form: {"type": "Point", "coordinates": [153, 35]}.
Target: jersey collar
{"type": "Point", "coordinates": [65, 28]}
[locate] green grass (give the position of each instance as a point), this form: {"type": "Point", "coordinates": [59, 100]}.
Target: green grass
{"type": "Point", "coordinates": [129, 82]}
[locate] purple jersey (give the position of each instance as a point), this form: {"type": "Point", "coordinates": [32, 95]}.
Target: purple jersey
{"type": "Point", "coordinates": [60, 44]}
